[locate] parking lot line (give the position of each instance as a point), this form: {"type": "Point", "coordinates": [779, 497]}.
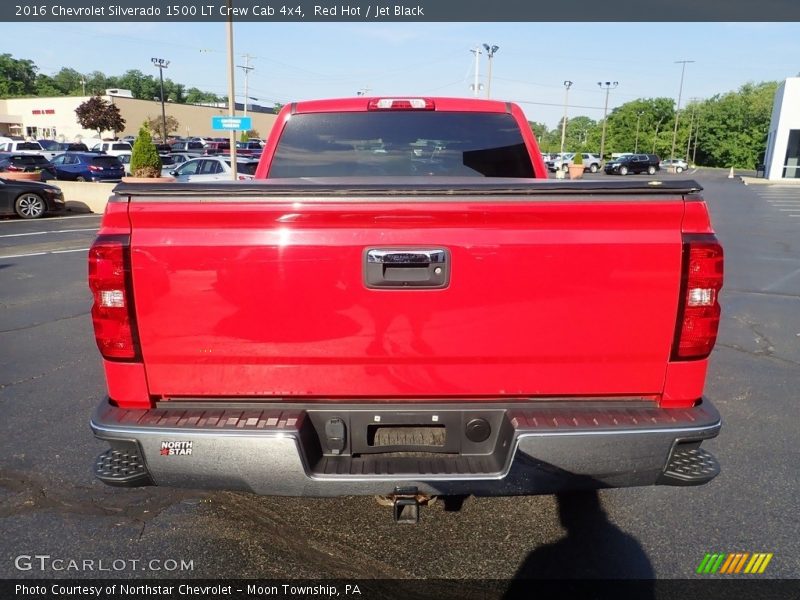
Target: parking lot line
{"type": "Point", "coordinates": [9, 221]}
{"type": "Point", "coordinates": [9, 235]}
{"type": "Point", "coordinates": [50, 252]}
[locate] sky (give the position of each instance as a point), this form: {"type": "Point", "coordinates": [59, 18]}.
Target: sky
{"type": "Point", "coordinates": [297, 61]}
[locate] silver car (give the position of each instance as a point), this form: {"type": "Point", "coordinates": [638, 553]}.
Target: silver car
{"type": "Point", "coordinates": [679, 165]}
{"type": "Point", "coordinates": [214, 168]}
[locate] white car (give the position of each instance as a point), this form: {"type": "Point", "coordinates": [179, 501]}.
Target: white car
{"type": "Point", "coordinates": [214, 168]}
{"type": "Point", "coordinates": [112, 148]}
{"type": "Point", "coordinates": [679, 165]}
{"type": "Point", "coordinates": [23, 147]}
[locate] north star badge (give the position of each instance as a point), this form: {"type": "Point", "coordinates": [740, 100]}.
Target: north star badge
{"type": "Point", "coordinates": [176, 448]}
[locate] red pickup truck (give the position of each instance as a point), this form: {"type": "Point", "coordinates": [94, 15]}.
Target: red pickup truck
{"type": "Point", "coordinates": [402, 304]}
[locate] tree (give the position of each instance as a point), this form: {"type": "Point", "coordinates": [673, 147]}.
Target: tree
{"type": "Point", "coordinates": [145, 161]}
{"type": "Point", "coordinates": [68, 81]}
{"type": "Point", "coordinates": [276, 107]}
{"type": "Point", "coordinates": [17, 77]}
{"type": "Point", "coordinates": [155, 124]}
{"type": "Point", "coordinates": [99, 115]}
{"type": "Point", "coordinates": [733, 127]}
{"type": "Point", "coordinates": [539, 130]}
{"type": "Point", "coordinates": [196, 96]}
{"type": "Point", "coordinates": [253, 133]}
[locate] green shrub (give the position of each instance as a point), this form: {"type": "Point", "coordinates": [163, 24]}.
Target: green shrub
{"type": "Point", "coordinates": [578, 158]}
{"type": "Point", "coordinates": [145, 161]}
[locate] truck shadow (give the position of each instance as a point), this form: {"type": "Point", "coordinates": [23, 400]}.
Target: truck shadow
{"type": "Point", "coordinates": [593, 548]}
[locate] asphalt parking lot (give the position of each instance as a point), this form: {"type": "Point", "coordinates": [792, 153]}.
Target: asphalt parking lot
{"type": "Point", "coordinates": [51, 380]}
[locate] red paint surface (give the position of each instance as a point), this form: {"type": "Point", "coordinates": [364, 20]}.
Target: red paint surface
{"type": "Point", "coordinates": [545, 298]}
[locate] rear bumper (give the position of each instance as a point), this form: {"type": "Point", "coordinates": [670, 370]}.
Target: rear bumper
{"type": "Point", "coordinates": [532, 448]}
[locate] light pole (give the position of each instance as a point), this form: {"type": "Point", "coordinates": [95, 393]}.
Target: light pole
{"type": "Point", "coordinates": [638, 119]}
{"type": "Point", "coordinates": [490, 50]}
{"type": "Point", "coordinates": [655, 135]}
{"type": "Point", "coordinates": [567, 85]}
{"type": "Point", "coordinates": [246, 68]}
{"type": "Point", "coordinates": [691, 129]}
{"type": "Point", "coordinates": [696, 132]}
{"type": "Point", "coordinates": [678, 107]}
{"type": "Point", "coordinates": [162, 64]}
{"type": "Point", "coordinates": [476, 87]}
{"type": "Point", "coordinates": [83, 85]}
{"type": "Point", "coordinates": [608, 86]}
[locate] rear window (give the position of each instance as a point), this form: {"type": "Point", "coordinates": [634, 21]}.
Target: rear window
{"type": "Point", "coordinates": [29, 146]}
{"type": "Point", "coordinates": [107, 162]}
{"type": "Point", "coordinates": [248, 168]}
{"type": "Point", "coordinates": [401, 144]}
{"type": "Point", "coordinates": [120, 146]}
{"type": "Point", "coordinates": [31, 160]}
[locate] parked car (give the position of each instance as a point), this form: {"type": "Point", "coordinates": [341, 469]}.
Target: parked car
{"type": "Point", "coordinates": [88, 166]}
{"type": "Point", "coordinates": [187, 146]}
{"type": "Point", "coordinates": [217, 147]}
{"type": "Point", "coordinates": [27, 163]}
{"type": "Point", "coordinates": [112, 148]}
{"type": "Point", "coordinates": [678, 164]}
{"type": "Point", "coordinates": [29, 199]}
{"type": "Point", "coordinates": [591, 162]}
{"type": "Point", "coordinates": [182, 157]}
{"type": "Point", "coordinates": [557, 161]}
{"type": "Point", "coordinates": [23, 147]}
{"type": "Point", "coordinates": [633, 163]}
{"type": "Point", "coordinates": [214, 168]}
{"type": "Point", "coordinates": [125, 159]}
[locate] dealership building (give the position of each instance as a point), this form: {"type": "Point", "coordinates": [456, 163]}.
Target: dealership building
{"type": "Point", "coordinates": [54, 118]}
{"type": "Point", "coordinates": [782, 158]}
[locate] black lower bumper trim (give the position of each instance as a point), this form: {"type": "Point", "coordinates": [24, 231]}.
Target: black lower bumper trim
{"type": "Point", "coordinates": [122, 466]}
{"type": "Point", "coordinates": [689, 465]}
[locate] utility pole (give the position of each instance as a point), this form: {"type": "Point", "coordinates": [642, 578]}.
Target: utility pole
{"type": "Point", "coordinates": [83, 85]}
{"type": "Point", "coordinates": [691, 128]}
{"type": "Point", "coordinates": [490, 50]}
{"type": "Point", "coordinates": [638, 119]}
{"type": "Point", "coordinates": [476, 86]}
{"type": "Point", "coordinates": [683, 64]}
{"type": "Point", "coordinates": [696, 131]}
{"type": "Point", "coordinates": [231, 91]}
{"type": "Point", "coordinates": [162, 64]}
{"type": "Point", "coordinates": [608, 86]}
{"type": "Point", "coordinates": [246, 68]}
{"type": "Point", "coordinates": [567, 85]}
{"type": "Point", "coordinates": [655, 135]}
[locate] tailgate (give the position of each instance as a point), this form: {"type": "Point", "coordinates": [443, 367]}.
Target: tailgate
{"type": "Point", "coordinates": [557, 295]}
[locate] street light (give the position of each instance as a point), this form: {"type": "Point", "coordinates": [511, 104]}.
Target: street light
{"type": "Point", "coordinates": [162, 64]}
{"type": "Point", "coordinates": [608, 86]}
{"type": "Point", "coordinates": [678, 107]}
{"type": "Point", "coordinates": [567, 85]}
{"type": "Point", "coordinates": [638, 119]}
{"type": "Point", "coordinates": [490, 50]}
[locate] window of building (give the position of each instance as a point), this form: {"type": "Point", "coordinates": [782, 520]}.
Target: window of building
{"type": "Point", "coordinates": [791, 169]}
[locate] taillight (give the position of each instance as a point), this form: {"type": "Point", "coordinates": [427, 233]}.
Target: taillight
{"type": "Point", "coordinates": [95, 168]}
{"type": "Point", "coordinates": [401, 104]}
{"type": "Point", "coordinates": [14, 168]}
{"type": "Point", "coordinates": [112, 311]}
{"type": "Point", "coordinates": [699, 310]}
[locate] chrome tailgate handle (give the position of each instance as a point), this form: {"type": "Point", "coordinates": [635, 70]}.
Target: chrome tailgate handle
{"type": "Point", "coordinates": [409, 268]}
